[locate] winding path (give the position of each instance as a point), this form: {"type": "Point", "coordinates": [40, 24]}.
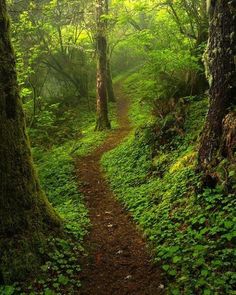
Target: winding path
{"type": "Point", "coordinates": [118, 262]}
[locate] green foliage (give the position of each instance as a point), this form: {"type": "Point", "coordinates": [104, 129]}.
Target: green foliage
{"type": "Point", "coordinates": [61, 254]}
{"type": "Point", "coordinates": [73, 127]}
{"type": "Point", "coordinates": [192, 232]}
{"type": "Point", "coordinates": [59, 182]}
{"type": "Point", "coordinates": [56, 169]}
{"type": "Point", "coordinates": [60, 271]}
{"type": "Point", "coordinates": [153, 171]}
{"type": "Point", "coordinates": [54, 155]}
{"type": "Point", "coordinates": [140, 110]}
{"type": "Point", "coordinates": [165, 42]}
{"type": "Point", "coordinates": [51, 54]}
{"type": "Point", "coordinates": [7, 290]}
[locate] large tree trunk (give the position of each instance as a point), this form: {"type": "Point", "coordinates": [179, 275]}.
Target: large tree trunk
{"type": "Point", "coordinates": [26, 215]}
{"type": "Point", "coordinates": [221, 61]}
{"type": "Point", "coordinates": [102, 107]}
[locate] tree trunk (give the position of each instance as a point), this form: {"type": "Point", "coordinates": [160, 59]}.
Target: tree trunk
{"type": "Point", "coordinates": [102, 107]}
{"type": "Point", "coordinates": [221, 61]}
{"type": "Point", "coordinates": [26, 215]}
{"type": "Point", "coordinates": [110, 90]}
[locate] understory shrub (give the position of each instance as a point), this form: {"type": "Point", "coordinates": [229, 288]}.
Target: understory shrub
{"type": "Point", "coordinates": [192, 230]}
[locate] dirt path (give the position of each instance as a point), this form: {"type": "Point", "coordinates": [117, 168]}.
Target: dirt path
{"type": "Point", "coordinates": [118, 262]}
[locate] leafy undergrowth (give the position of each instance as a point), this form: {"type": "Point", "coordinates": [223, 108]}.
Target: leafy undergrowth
{"type": "Point", "coordinates": [191, 231]}
{"type": "Point", "coordinates": [140, 109]}
{"type": "Point", "coordinates": [73, 127]}
{"type": "Point", "coordinates": [59, 274]}
{"type": "Point", "coordinates": [54, 156]}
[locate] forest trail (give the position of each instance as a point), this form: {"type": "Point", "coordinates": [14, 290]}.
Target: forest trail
{"type": "Point", "coordinates": [118, 261]}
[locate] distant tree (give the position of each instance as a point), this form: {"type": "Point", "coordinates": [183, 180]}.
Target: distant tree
{"type": "Point", "coordinates": [101, 39]}
{"type": "Point", "coordinates": [110, 89]}
{"type": "Point", "coordinates": [218, 138]}
{"type": "Point", "coordinates": [27, 218]}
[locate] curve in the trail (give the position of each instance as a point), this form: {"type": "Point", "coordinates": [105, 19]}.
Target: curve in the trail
{"type": "Point", "coordinates": [118, 262]}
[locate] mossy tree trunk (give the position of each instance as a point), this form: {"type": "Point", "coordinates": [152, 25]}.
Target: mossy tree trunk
{"type": "Point", "coordinates": [221, 59]}
{"type": "Point", "coordinates": [102, 106]}
{"type": "Point", "coordinates": [26, 215]}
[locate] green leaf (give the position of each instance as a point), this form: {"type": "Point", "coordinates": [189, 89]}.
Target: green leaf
{"type": "Point", "coordinates": [207, 292]}
{"type": "Point", "coordinates": [165, 267]}
{"type": "Point", "coordinates": [200, 261]}
{"type": "Point", "coordinates": [173, 272]}
{"type": "Point", "coordinates": [49, 292]}
{"type": "Point", "coordinates": [175, 291]}
{"type": "Point", "coordinates": [228, 224]}
{"type": "Point", "coordinates": [230, 236]}
{"type": "Point", "coordinates": [8, 290]}
{"type": "Point", "coordinates": [232, 173]}
{"type": "Point", "coordinates": [204, 272]}
{"type": "Point", "coordinates": [202, 220]}
{"type": "Point", "coordinates": [176, 259]}
{"type": "Point", "coordinates": [63, 280]}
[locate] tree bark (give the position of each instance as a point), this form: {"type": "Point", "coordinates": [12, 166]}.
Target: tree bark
{"type": "Point", "coordinates": [102, 106]}
{"type": "Point", "coordinates": [220, 60]}
{"type": "Point", "coordinates": [26, 215]}
{"type": "Point", "coordinates": [110, 90]}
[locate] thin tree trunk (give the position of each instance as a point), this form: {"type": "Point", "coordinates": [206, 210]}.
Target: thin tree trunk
{"type": "Point", "coordinates": [221, 60]}
{"type": "Point", "coordinates": [110, 90]}
{"type": "Point", "coordinates": [26, 215]}
{"type": "Point", "coordinates": [102, 107]}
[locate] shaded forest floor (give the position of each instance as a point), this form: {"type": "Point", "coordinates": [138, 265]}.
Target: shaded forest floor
{"type": "Point", "coordinates": [118, 260]}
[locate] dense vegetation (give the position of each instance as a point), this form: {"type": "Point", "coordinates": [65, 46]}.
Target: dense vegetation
{"type": "Point", "coordinates": [190, 229]}
{"type": "Point", "coordinates": [175, 172]}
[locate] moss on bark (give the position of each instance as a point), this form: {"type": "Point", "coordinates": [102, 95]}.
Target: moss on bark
{"type": "Point", "coordinates": [27, 218]}
{"type": "Point", "coordinates": [220, 58]}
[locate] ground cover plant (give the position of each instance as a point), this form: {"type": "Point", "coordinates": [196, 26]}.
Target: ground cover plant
{"type": "Point", "coordinates": [191, 230]}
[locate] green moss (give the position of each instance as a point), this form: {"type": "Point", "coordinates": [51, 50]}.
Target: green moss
{"type": "Point", "coordinates": [27, 218]}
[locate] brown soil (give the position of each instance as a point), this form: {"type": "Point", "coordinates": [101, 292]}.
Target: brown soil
{"type": "Point", "coordinates": [119, 262]}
